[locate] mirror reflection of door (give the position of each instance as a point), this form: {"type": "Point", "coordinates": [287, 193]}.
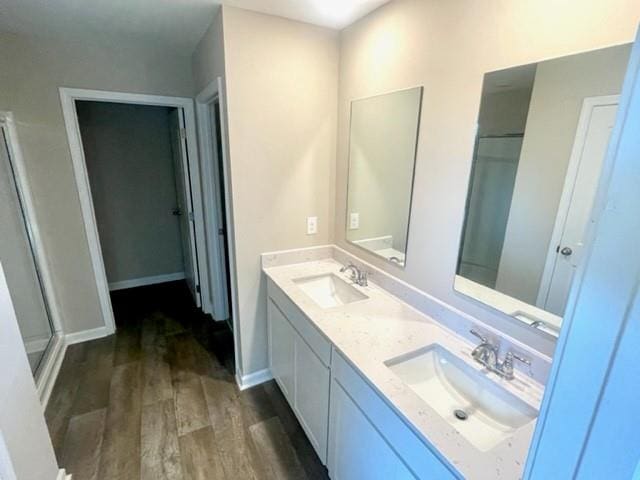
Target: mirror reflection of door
{"type": "Point", "coordinates": [543, 134]}
{"type": "Point", "coordinates": [566, 250]}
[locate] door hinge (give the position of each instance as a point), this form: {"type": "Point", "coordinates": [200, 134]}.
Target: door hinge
{"type": "Point", "coordinates": [191, 216]}
{"type": "Point", "coordinates": [197, 288]}
{"type": "Point", "coordinates": [183, 133]}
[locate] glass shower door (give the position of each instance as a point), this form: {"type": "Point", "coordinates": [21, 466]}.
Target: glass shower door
{"type": "Point", "coordinates": [18, 260]}
{"type": "Point", "coordinates": [495, 168]}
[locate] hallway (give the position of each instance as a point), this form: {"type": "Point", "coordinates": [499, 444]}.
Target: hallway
{"type": "Point", "coordinates": [158, 401]}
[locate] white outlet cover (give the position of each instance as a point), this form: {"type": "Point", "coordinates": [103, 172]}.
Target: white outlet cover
{"type": "Point", "coordinates": [312, 225]}
{"type": "Point", "coordinates": [354, 221]}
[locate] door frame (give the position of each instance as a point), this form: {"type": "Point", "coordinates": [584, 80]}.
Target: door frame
{"type": "Point", "coordinates": [595, 320]}
{"type": "Point", "coordinates": [588, 106]}
{"type": "Point", "coordinates": [68, 97]}
{"type": "Point", "coordinates": [215, 90]}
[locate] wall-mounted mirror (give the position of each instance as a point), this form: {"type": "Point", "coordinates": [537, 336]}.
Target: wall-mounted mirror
{"type": "Point", "coordinates": [382, 153]}
{"type": "Point", "coordinates": [543, 131]}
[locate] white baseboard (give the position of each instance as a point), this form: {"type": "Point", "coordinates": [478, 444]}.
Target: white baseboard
{"type": "Point", "coordinates": [86, 335]}
{"type": "Point", "coordinates": [50, 369]}
{"type": "Point", "coordinates": [55, 356]}
{"type": "Point", "coordinates": [62, 475]}
{"type": "Point", "coordinates": [253, 379]}
{"type": "Point", "coordinates": [142, 281]}
{"type": "Point", "coordinates": [36, 344]}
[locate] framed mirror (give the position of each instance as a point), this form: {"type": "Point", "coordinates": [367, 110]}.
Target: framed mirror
{"type": "Point", "coordinates": [382, 153]}
{"type": "Point", "coordinates": [543, 132]}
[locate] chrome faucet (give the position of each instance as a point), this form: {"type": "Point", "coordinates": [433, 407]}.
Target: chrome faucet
{"type": "Point", "coordinates": [358, 276]}
{"type": "Point", "coordinates": [487, 354]}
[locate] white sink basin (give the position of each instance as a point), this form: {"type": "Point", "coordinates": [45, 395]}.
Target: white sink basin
{"type": "Point", "coordinates": [329, 290]}
{"type": "Point", "coordinates": [449, 386]}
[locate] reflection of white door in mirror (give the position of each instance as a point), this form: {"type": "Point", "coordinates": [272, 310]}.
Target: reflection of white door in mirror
{"type": "Point", "coordinates": [574, 213]}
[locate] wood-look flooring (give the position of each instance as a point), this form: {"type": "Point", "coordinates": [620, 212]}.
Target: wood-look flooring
{"type": "Point", "coordinates": [158, 401]}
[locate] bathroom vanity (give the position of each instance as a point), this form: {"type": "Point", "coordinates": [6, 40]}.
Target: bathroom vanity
{"type": "Point", "coordinates": [382, 389]}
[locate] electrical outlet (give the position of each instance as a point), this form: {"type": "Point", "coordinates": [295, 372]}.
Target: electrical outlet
{"type": "Point", "coordinates": [354, 221]}
{"type": "Point", "coordinates": [312, 225]}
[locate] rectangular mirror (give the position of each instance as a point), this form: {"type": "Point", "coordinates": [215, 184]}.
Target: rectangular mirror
{"type": "Point", "coordinates": [543, 131]}
{"type": "Point", "coordinates": [382, 153]}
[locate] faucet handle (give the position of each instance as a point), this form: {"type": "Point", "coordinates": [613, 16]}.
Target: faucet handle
{"type": "Point", "coordinates": [480, 337]}
{"type": "Point", "coordinates": [509, 362]}
{"type": "Point", "coordinates": [526, 361]}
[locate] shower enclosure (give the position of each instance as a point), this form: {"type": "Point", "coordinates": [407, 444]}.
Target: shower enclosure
{"type": "Point", "coordinates": [495, 168]}
{"type": "Point", "coordinates": [19, 259]}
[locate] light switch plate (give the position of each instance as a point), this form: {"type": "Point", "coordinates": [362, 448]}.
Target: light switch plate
{"type": "Point", "coordinates": [312, 225]}
{"type": "Point", "coordinates": [354, 221]}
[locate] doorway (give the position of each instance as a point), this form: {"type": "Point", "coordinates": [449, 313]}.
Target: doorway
{"type": "Point", "coordinates": [119, 213]}
{"type": "Point", "coordinates": [217, 194]}
{"type": "Point", "coordinates": [596, 122]}
{"type": "Point", "coordinates": [136, 157]}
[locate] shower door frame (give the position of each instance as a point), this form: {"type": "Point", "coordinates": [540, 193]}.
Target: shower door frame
{"type": "Point", "coordinates": [54, 353]}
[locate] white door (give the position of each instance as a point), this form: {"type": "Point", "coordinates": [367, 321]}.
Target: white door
{"type": "Point", "coordinates": [220, 267]}
{"type": "Point", "coordinates": [184, 207]}
{"type": "Point", "coordinates": [574, 214]}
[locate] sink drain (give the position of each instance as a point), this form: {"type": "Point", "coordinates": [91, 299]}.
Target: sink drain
{"type": "Point", "coordinates": [460, 414]}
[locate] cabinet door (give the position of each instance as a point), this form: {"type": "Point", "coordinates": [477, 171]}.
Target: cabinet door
{"type": "Point", "coordinates": [312, 396]}
{"type": "Point", "coordinates": [356, 450]}
{"type": "Point", "coordinates": [281, 344]}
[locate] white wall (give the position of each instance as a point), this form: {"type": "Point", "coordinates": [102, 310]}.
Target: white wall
{"type": "Point", "coordinates": [281, 78]}
{"type": "Point", "coordinates": [130, 165]}
{"type": "Point", "coordinates": [24, 438]}
{"type": "Point", "coordinates": [559, 88]}
{"type": "Point", "coordinates": [383, 131]}
{"type": "Point", "coordinates": [447, 47]}
{"type": "Point", "coordinates": [31, 70]}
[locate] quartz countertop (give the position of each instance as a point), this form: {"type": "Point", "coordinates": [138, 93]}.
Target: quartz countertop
{"type": "Point", "coordinates": [371, 331]}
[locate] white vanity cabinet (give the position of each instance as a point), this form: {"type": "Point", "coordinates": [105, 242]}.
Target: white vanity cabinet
{"type": "Point", "coordinates": [299, 359]}
{"type": "Point", "coordinates": [368, 440]}
{"type": "Point", "coordinates": [353, 430]}
{"type": "Point", "coordinates": [281, 350]}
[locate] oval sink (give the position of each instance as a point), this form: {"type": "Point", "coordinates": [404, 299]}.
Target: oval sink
{"type": "Point", "coordinates": [329, 290]}
{"type": "Point", "coordinates": [478, 408]}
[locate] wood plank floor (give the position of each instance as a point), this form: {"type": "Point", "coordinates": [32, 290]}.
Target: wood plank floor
{"type": "Point", "coordinates": [158, 400]}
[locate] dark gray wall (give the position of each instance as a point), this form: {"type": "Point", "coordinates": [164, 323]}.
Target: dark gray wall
{"type": "Point", "coordinates": [129, 160]}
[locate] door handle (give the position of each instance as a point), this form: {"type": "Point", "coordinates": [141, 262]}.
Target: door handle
{"type": "Point", "coordinates": [566, 251]}
{"type": "Point", "coordinates": [176, 211]}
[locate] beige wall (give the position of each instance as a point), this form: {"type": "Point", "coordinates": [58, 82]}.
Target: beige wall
{"type": "Point", "coordinates": [31, 71]}
{"type": "Point", "coordinates": [133, 186]}
{"type": "Point", "coordinates": [207, 61]}
{"type": "Point", "coordinates": [447, 47]}
{"type": "Point", "coordinates": [281, 79]}
{"type": "Point", "coordinates": [559, 89]}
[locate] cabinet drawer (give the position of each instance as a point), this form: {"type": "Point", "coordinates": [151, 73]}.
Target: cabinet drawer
{"type": "Point", "coordinates": [417, 456]}
{"type": "Point", "coordinates": [318, 343]}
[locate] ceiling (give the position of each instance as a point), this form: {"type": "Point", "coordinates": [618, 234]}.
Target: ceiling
{"type": "Point", "coordinates": [515, 78]}
{"type": "Point", "coordinates": [176, 23]}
